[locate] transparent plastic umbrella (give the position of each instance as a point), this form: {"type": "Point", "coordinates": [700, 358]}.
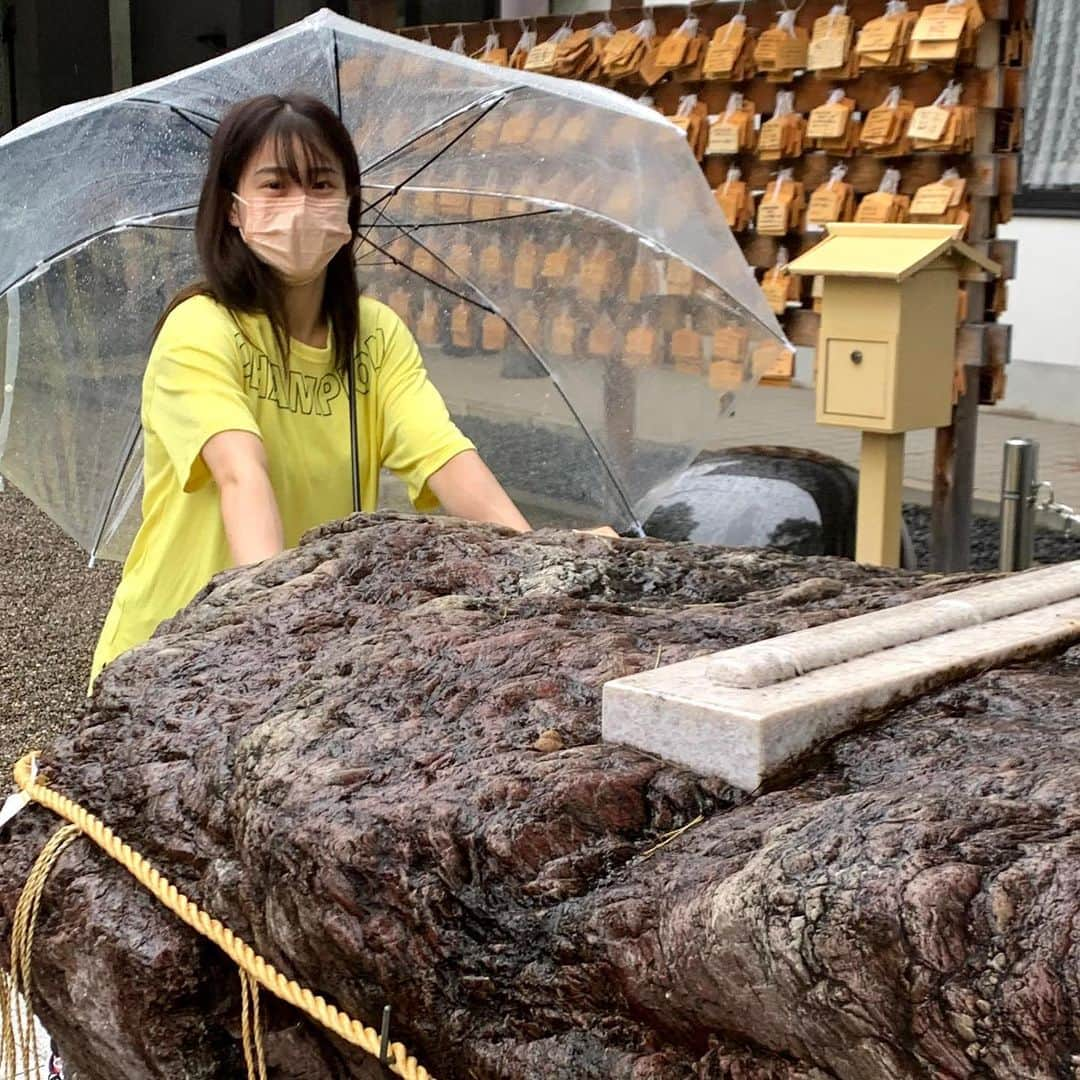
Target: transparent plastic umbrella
{"type": "Point", "coordinates": [554, 247]}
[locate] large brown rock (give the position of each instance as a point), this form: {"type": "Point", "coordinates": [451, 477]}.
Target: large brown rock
{"type": "Point", "coordinates": [377, 758]}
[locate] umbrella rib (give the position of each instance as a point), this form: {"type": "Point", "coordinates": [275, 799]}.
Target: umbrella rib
{"type": "Point", "coordinates": [469, 221]}
{"type": "Point", "coordinates": [498, 95]}
{"type": "Point", "coordinates": [431, 161]}
{"type": "Point", "coordinates": [134, 223]}
{"type": "Point", "coordinates": [337, 75]}
{"type": "Point", "coordinates": [432, 281]}
{"type": "Point", "coordinates": [494, 310]}
{"type": "Point", "coordinates": [125, 460]}
{"type": "Point", "coordinates": [167, 104]}
{"type": "Point", "coordinates": [183, 114]}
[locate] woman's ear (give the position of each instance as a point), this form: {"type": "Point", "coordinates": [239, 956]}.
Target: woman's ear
{"type": "Point", "coordinates": [234, 216]}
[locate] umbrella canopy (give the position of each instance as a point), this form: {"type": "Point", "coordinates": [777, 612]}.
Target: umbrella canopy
{"type": "Point", "coordinates": [553, 246]}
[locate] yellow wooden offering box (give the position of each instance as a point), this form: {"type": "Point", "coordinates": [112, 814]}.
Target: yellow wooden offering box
{"type": "Point", "coordinates": [888, 323]}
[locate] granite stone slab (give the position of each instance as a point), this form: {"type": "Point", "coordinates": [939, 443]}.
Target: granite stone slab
{"type": "Point", "coordinates": [765, 662]}
{"type": "Point", "coordinates": [746, 735]}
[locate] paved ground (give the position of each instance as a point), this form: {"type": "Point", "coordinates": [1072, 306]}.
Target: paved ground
{"type": "Point", "coordinates": [786, 415]}
{"type": "Point", "coordinates": [666, 407]}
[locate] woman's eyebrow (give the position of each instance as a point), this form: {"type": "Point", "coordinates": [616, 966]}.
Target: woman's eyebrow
{"type": "Point", "coordinates": [315, 170]}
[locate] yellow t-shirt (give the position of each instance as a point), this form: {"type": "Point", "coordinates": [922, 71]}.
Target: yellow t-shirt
{"type": "Point", "coordinates": [212, 370]}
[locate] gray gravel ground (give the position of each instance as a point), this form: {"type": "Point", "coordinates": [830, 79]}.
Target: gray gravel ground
{"type": "Point", "coordinates": [51, 609]}
{"type": "Point", "coordinates": [1051, 545]}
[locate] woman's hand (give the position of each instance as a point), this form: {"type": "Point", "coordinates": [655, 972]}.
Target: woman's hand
{"type": "Point", "coordinates": [249, 510]}
{"type": "Point", "coordinates": [466, 488]}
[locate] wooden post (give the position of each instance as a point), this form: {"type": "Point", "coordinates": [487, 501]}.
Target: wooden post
{"type": "Point", "coordinates": [120, 43]}
{"type": "Point", "coordinates": [620, 411]}
{"type": "Point", "coordinates": [881, 488]}
{"type": "Point", "coordinates": [7, 63]}
{"type": "Point", "coordinates": [287, 12]}
{"type": "Point", "coordinates": [955, 445]}
{"type": "Point", "coordinates": [954, 481]}
{"type": "Point", "coordinates": [381, 14]}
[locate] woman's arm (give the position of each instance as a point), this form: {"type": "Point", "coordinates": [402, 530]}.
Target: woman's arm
{"type": "Point", "coordinates": [249, 510]}
{"type": "Point", "coordinates": [466, 488]}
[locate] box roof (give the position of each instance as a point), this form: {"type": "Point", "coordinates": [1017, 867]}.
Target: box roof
{"type": "Point", "coordinates": [892, 252]}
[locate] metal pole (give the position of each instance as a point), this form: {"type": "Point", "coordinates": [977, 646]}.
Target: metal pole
{"type": "Point", "coordinates": [1018, 493]}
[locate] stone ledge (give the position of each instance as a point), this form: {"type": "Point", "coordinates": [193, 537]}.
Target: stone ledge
{"type": "Point", "coordinates": [745, 736]}
{"type": "Point", "coordinates": [790, 655]}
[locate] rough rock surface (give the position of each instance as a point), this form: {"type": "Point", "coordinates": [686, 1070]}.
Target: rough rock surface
{"type": "Point", "coordinates": [377, 758]}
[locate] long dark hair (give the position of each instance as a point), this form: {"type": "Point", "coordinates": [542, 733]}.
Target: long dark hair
{"type": "Point", "coordinates": [233, 275]}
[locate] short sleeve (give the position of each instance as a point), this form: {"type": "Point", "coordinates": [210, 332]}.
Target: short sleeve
{"type": "Point", "coordinates": [418, 436]}
{"type": "Point", "coordinates": [194, 388]}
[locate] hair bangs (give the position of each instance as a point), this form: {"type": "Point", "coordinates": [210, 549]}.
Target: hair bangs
{"type": "Point", "coordinates": [300, 146]}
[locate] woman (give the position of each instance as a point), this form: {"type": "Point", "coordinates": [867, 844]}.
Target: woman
{"type": "Point", "coordinates": [245, 402]}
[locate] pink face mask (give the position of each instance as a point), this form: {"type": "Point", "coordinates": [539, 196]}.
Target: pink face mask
{"type": "Point", "coordinates": [297, 235]}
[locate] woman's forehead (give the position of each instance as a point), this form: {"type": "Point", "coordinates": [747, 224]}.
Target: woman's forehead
{"type": "Point", "coordinates": [274, 151]}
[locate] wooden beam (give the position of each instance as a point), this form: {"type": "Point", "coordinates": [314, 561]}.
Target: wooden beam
{"type": "Point", "coordinates": [983, 89]}
{"type": "Point", "coordinates": [7, 106]}
{"type": "Point", "coordinates": [382, 14]}
{"type": "Point", "coordinates": [988, 46]}
{"type": "Point", "coordinates": [120, 43]}
{"type": "Point", "coordinates": [803, 327]}
{"type": "Point", "coordinates": [998, 350]}
{"type": "Point", "coordinates": [983, 172]}
{"type": "Point", "coordinates": [1014, 91]}
{"type": "Point", "coordinates": [1008, 174]}
{"type": "Point", "coordinates": [1002, 252]}
{"type": "Point", "coordinates": [761, 251]}
{"type": "Point", "coordinates": [971, 344]}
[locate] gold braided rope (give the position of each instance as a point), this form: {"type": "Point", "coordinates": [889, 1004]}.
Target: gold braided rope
{"type": "Point", "coordinates": [260, 971]}
{"type": "Point", "coordinates": [18, 1036]}
{"type": "Point", "coordinates": [251, 1023]}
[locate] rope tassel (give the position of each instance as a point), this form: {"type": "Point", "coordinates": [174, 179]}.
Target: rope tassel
{"type": "Point", "coordinates": [19, 1051]}
{"type": "Point", "coordinates": [251, 1022]}
{"type": "Point", "coordinates": [255, 971]}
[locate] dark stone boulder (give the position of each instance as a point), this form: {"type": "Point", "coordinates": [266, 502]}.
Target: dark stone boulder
{"type": "Point", "coordinates": [377, 759]}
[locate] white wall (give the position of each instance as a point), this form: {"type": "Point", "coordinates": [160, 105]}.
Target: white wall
{"type": "Point", "coordinates": [1043, 299]}
{"type": "Point", "coordinates": [1044, 376]}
